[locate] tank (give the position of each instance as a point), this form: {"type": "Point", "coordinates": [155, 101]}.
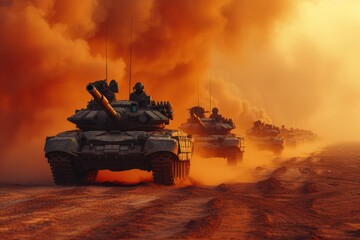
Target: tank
{"type": "Point", "coordinates": [266, 137]}
{"type": "Point", "coordinates": [119, 135]}
{"type": "Point", "coordinates": [212, 135]}
{"type": "Point", "coordinates": [294, 137]}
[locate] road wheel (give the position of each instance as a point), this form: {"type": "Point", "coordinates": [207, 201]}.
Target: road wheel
{"type": "Point", "coordinates": [64, 171]}
{"type": "Point", "coordinates": [167, 169]}
{"type": "Point", "coordinates": [90, 176]}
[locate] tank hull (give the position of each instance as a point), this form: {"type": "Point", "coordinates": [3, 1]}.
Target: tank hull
{"type": "Point", "coordinates": [227, 146]}
{"type": "Point", "coordinates": [273, 144]}
{"type": "Point", "coordinates": [118, 151]}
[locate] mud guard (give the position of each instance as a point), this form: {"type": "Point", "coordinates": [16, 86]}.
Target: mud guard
{"type": "Point", "coordinates": [154, 145]}
{"type": "Point", "coordinates": [67, 145]}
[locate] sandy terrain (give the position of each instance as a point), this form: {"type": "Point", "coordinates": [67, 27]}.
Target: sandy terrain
{"type": "Point", "coordinates": [314, 197]}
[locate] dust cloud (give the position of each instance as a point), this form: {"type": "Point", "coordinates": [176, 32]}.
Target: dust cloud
{"type": "Point", "coordinates": [214, 171]}
{"type": "Point", "coordinates": [306, 75]}
{"type": "Point", "coordinates": [256, 165]}
{"type": "Point", "coordinates": [286, 62]}
{"type": "Point", "coordinates": [130, 177]}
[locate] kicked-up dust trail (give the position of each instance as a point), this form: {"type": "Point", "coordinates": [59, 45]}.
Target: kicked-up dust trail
{"type": "Point", "coordinates": [308, 197]}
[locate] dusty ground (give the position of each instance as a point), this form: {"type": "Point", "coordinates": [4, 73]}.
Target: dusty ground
{"type": "Point", "coordinates": [314, 197]}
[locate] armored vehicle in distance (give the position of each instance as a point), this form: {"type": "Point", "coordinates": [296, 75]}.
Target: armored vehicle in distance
{"type": "Point", "coordinates": [266, 137]}
{"type": "Point", "coordinates": [119, 135]}
{"type": "Point", "coordinates": [294, 137]}
{"type": "Point", "coordinates": [212, 135]}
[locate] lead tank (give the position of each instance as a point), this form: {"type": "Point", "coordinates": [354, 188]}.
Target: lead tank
{"type": "Point", "coordinates": [119, 135]}
{"type": "Point", "coordinates": [212, 135]}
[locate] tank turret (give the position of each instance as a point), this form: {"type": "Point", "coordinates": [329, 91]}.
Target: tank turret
{"type": "Point", "coordinates": [198, 120]}
{"type": "Point", "coordinates": [125, 115]}
{"type": "Point", "coordinates": [199, 124]}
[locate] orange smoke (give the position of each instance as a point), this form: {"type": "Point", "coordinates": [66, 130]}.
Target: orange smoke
{"type": "Point", "coordinates": [54, 47]}
{"type": "Point", "coordinates": [304, 74]}
{"type": "Point", "coordinates": [260, 55]}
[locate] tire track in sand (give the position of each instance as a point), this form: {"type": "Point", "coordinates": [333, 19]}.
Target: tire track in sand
{"type": "Point", "coordinates": [159, 219]}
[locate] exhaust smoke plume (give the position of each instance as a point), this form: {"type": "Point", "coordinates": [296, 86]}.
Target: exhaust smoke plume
{"type": "Point", "coordinates": [267, 60]}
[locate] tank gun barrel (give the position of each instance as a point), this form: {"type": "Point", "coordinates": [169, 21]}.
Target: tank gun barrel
{"type": "Point", "coordinates": [198, 120]}
{"type": "Point", "coordinates": [102, 100]}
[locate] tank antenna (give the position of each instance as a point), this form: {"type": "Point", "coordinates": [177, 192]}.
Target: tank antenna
{"type": "Point", "coordinates": [106, 51]}
{"type": "Point", "coordinates": [131, 50]}
{"type": "Point", "coordinates": [198, 88]}
{"type": "Point", "coordinates": [210, 91]}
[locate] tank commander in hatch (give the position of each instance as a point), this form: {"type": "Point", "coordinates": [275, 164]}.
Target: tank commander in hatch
{"type": "Point", "coordinates": [219, 118]}
{"type": "Point", "coordinates": [215, 114]}
{"type": "Point", "coordinates": [139, 95]}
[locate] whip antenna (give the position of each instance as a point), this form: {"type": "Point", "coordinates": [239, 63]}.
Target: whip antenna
{"type": "Point", "coordinates": [131, 49]}
{"type": "Point", "coordinates": [198, 88]}
{"type": "Point", "coordinates": [106, 52]}
{"type": "Point", "coordinates": [210, 91]}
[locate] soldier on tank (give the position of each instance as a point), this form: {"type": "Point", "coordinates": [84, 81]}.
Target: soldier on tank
{"type": "Point", "coordinates": [215, 114]}
{"type": "Point", "coordinates": [139, 95]}
{"type": "Point", "coordinates": [219, 118]}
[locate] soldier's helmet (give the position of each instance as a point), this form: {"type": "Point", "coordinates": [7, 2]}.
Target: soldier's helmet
{"type": "Point", "coordinates": [113, 86]}
{"type": "Point", "coordinates": [215, 111]}
{"type": "Point", "coordinates": [139, 87]}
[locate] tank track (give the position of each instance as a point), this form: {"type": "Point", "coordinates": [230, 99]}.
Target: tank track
{"type": "Point", "coordinates": [65, 173]}
{"type": "Point", "coordinates": [167, 170]}
{"type": "Point", "coordinates": [234, 156]}
{"type": "Point", "coordinates": [277, 150]}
